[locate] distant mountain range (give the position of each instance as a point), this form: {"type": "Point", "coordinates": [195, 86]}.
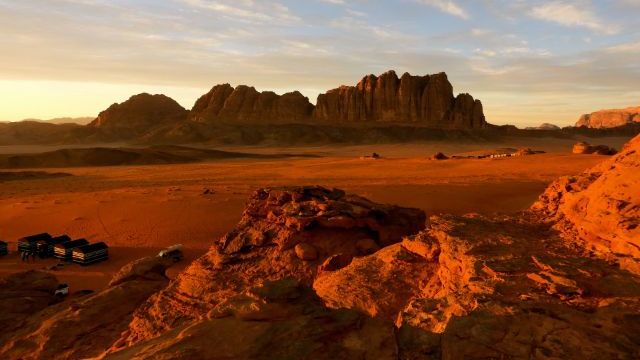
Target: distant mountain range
{"type": "Point", "coordinates": [384, 108]}
{"type": "Point", "coordinates": [61, 120]}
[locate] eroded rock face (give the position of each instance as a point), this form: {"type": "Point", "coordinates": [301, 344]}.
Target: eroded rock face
{"type": "Point", "coordinates": [602, 206]}
{"type": "Point", "coordinates": [271, 320]}
{"type": "Point", "coordinates": [610, 118]}
{"type": "Point", "coordinates": [138, 115]}
{"type": "Point", "coordinates": [245, 105]}
{"type": "Point", "coordinates": [425, 100]}
{"type": "Point", "coordinates": [22, 295]}
{"type": "Point", "coordinates": [80, 326]}
{"type": "Point", "coordinates": [262, 247]}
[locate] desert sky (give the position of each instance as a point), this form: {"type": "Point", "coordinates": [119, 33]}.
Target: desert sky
{"type": "Point", "coordinates": [529, 61]}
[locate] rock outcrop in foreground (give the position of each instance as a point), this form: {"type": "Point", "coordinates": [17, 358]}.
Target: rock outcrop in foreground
{"type": "Point", "coordinates": [602, 206]}
{"type": "Point", "coordinates": [610, 118]}
{"type": "Point", "coordinates": [425, 100]}
{"type": "Point", "coordinates": [313, 273]}
{"type": "Point", "coordinates": [81, 326]}
{"type": "Point", "coordinates": [290, 232]}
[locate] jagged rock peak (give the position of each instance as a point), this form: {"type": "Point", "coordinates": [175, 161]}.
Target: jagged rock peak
{"type": "Point", "coordinates": [245, 105]}
{"type": "Point", "coordinates": [425, 100]}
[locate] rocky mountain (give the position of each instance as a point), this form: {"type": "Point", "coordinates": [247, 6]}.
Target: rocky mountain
{"type": "Point", "coordinates": [424, 100]}
{"type": "Point", "coordinates": [544, 126]}
{"type": "Point", "coordinates": [419, 100]}
{"type": "Point", "coordinates": [245, 105]}
{"type": "Point", "coordinates": [610, 118]}
{"type": "Point", "coordinates": [35, 132]}
{"type": "Point", "coordinates": [316, 273]}
{"type": "Point", "coordinates": [62, 120]}
{"type": "Point", "coordinates": [139, 115]}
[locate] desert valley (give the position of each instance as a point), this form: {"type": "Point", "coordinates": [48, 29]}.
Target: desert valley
{"type": "Point", "coordinates": [398, 217]}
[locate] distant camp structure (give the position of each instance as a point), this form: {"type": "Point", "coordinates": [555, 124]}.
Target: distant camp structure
{"type": "Point", "coordinates": [89, 254]}
{"type": "Point", "coordinates": [29, 243]}
{"type": "Point", "coordinates": [62, 247]}
{"type": "Point", "coordinates": [4, 249]}
{"type": "Point", "coordinates": [64, 251]}
{"type": "Point", "coordinates": [45, 248]}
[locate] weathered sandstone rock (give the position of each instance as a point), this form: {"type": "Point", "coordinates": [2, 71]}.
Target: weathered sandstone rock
{"type": "Point", "coordinates": [78, 327]}
{"type": "Point", "coordinates": [583, 147]}
{"type": "Point", "coordinates": [610, 118]}
{"type": "Point", "coordinates": [245, 105]}
{"type": "Point", "coordinates": [602, 205]}
{"type": "Point", "coordinates": [262, 247]}
{"type": "Point", "coordinates": [425, 100]}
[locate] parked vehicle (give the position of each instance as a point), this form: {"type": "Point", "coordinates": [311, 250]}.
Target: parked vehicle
{"type": "Point", "coordinates": [173, 252]}
{"type": "Point", "coordinates": [62, 290]}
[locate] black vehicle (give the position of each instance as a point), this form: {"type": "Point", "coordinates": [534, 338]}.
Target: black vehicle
{"type": "Point", "coordinates": [4, 248]}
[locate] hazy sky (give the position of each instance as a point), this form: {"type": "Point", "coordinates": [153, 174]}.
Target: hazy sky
{"type": "Point", "coordinates": [529, 61]}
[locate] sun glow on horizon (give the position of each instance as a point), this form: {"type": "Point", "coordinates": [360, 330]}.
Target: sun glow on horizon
{"type": "Point", "coordinates": [528, 61]}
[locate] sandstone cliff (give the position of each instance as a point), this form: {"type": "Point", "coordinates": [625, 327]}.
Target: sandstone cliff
{"type": "Point", "coordinates": [424, 100]}
{"type": "Point", "coordinates": [610, 118]}
{"type": "Point", "coordinates": [245, 105]}
{"type": "Point", "coordinates": [139, 115]}
{"type": "Point", "coordinates": [419, 100]}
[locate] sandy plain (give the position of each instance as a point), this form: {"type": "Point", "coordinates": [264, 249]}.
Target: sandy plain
{"type": "Point", "coordinates": [138, 210]}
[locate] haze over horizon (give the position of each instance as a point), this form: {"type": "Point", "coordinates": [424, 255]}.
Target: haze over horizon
{"type": "Point", "coordinates": [529, 61]}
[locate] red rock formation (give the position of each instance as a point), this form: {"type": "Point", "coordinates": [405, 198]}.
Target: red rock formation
{"type": "Point", "coordinates": [245, 105]}
{"type": "Point", "coordinates": [22, 295]}
{"type": "Point", "coordinates": [602, 205]}
{"type": "Point", "coordinates": [262, 247]}
{"type": "Point", "coordinates": [79, 327]}
{"type": "Point", "coordinates": [139, 115]}
{"type": "Point", "coordinates": [610, 118]}
{"type": "Point", "coordinates": [272, 320]}
{"type": "Point", "coordinates": [424, 100]}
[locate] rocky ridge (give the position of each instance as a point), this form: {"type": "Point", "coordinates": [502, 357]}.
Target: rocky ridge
{"type": "Point", "coordinates": [610, 118]}
{"type": "Point", "coordinates": [425, 100]}
{"type": "Point", "coordinates": [245, 105]}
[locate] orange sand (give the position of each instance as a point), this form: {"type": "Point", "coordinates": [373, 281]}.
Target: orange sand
{"type": "Point", "coordinates": [138, 210]}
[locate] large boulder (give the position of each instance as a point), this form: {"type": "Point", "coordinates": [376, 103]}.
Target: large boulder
{"type": "Point", "coordinates": [602, 205]}
{"type": "Point", "coordinates": [284, 232]}
{"type": "Point", "coordinates": [422, 100]}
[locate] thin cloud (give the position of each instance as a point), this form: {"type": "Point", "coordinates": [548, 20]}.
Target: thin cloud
{"type": "Point", "coordinates": [448, 7]}
{"type": "Point", "coordinates": [568, 14]}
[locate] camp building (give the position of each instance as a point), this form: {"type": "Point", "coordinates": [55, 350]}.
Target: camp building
{"type": "Point", "coordinates": [89, 254]}
{"type": "Point", "coordinates": [64, 250]}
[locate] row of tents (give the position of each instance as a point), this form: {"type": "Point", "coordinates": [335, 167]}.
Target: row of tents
{"type": "Point", "coordinates": [63, 247]}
